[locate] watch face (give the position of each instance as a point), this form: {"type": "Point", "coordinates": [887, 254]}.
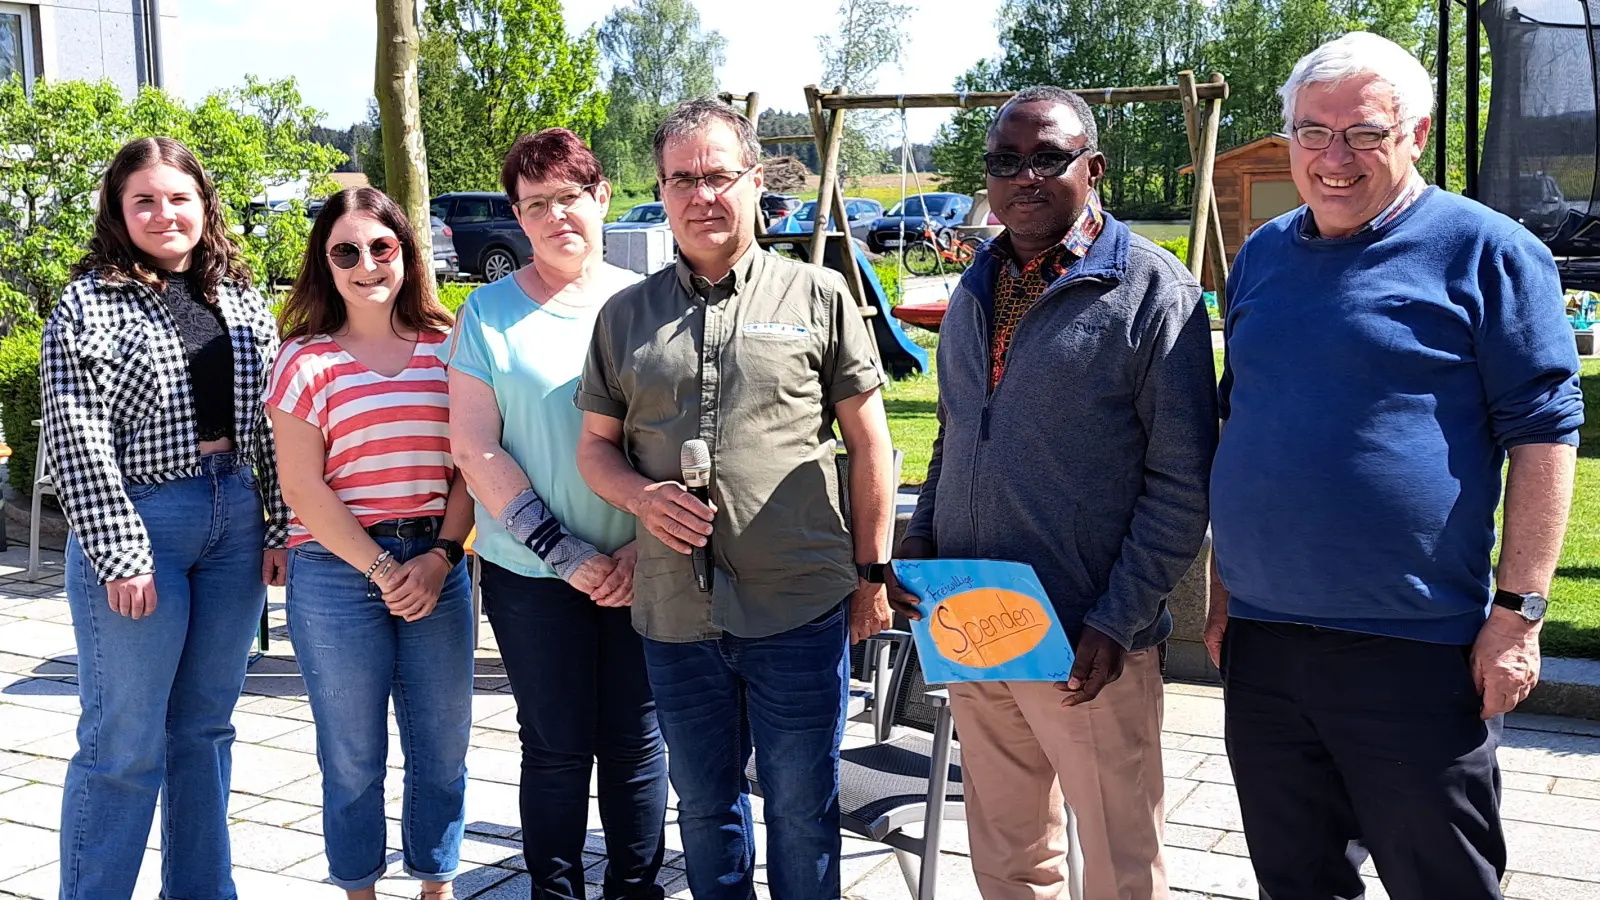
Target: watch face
{"type": "Point", "coordinates": [1533, 607]}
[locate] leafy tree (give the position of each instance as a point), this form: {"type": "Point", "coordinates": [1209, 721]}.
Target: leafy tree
{"type": "Point", "coordinates": [56, 143]}
{"type": "Point", "coordinates": [871, 35]}
{"type": "Point", "coordinates": [959, 145]}
{"type": "Point", "coordinates": [657, 55]}
{"type": "Point", "coordinates": [490, 71]}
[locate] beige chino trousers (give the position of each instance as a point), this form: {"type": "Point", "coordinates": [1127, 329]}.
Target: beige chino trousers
{"type": "Point", "coordinates": [1024, 756]}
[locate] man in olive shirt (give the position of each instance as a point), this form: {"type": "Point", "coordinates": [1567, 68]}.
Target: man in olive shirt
{"type": "Point", "coordinates": [758, 356]}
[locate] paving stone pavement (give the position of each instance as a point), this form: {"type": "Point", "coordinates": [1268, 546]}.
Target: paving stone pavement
{"type": "Point", "coordinates": [1552, 786]}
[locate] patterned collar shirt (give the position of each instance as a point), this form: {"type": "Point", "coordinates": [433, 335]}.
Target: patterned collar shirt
{"type": "Point", "coordinates": [1021, 284]}
{"type": "Point", "coordinates": [118, 409]}
{"type": "Point", "coordinates": [1414, 188]}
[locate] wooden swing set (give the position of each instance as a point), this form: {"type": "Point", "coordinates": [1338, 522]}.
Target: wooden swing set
{"type": "Point", "coordinates": [1202, 113]}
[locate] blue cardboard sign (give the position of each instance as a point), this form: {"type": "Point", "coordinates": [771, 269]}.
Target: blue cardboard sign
{"type": "Point", "coordinates": [984, 620]}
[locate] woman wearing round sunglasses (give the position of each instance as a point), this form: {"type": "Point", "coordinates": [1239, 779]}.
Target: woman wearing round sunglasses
{"type": "Point", "coordinates": [379, 603]}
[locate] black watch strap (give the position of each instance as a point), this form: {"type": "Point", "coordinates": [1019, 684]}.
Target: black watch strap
{"type": "Point", "coordinates": [871, 573]}
{"type": "Point", "coordinates": [1531, 607]}
{"type": "Point", "coordinates": [453, 551]}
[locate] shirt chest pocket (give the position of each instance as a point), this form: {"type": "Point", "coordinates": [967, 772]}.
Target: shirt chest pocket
{"type": "Point", "coordinates": [122, 363]}
{"type": "Point", "coordinates": [777, 362]}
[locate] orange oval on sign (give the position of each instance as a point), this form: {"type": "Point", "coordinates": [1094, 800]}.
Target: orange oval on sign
{"type": "Point", "coordinates": [987, 627]}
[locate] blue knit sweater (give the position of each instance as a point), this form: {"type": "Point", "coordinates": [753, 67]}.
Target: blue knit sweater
{"type": "Point", "coordinates": [1372, 388]}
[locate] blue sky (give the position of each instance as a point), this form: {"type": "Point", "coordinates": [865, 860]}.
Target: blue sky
{"type": "Point", "coordinates": [327, 45]}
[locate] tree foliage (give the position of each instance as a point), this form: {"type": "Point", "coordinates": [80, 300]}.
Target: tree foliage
{"type": "Point", "coordinates": [657, 55]}
{"type": "Point", "coordinates": [56, 143]}
{"type": "Point", "coordinates": [871, 35]}
{"type": "Point", "coordinates": [775, 122]}
{"type": "Point", "coordinates": [1255, 43]}
{"type": "Point", "coordinates": [489, 71]}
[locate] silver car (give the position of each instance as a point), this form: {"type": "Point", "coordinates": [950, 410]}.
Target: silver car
{"type": "Point", "coordinates": [446, 265]}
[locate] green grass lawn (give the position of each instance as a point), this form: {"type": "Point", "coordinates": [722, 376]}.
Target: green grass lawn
{"type": "Point", "coordinates": [1573, 625]}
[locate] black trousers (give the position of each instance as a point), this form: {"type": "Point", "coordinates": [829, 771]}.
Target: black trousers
{"type": "Point", "coordinates": [583, 704]}
{"type": "Point", "coordinates": [1345, 744]}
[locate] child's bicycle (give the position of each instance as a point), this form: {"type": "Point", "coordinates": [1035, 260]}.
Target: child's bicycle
{"type": "Point", "coordinates": [924, 257]}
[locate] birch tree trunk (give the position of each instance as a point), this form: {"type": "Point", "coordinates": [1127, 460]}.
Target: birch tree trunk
{"type": "Point", "coordinates": [405, 157]}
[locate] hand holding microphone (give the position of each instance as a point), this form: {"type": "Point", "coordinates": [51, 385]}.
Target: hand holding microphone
{"type": "Point", "coordinates": [676, 517]}
{"type": "Point", "coordinates": [695, 458]}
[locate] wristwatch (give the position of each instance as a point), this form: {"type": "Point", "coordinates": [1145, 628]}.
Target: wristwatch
{"type": "Point", "coordinates": [1529, 606]}
{"type": "Point", "coordinates": [871, 573]}
{"type": "Point", "coordinates": [453, 551]}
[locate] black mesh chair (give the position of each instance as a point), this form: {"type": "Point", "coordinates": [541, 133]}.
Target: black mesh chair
{"type": "Point", "coordinates": [890, 785]}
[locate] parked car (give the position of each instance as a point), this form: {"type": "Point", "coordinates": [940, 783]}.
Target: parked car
{"type": "Point", "coordinates": [776, 206]}
{"type": "Point", "coordinates": [941, 211]}
{"type": "Point", "coordinates": [446, 264]}
{"type": "Point", "coordinates": [861, 213]}
{"type": "Point", "coordinates": [645, 215]}
{"type": "Point", "coordinates": [489, 243]}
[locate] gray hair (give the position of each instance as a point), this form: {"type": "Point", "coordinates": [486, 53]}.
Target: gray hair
{"type": "Point", "coordinates": [695, 116]}
{"type": "Point", "coordinates": [1049, 93]}
{"type": "Point", "coordinates": [1363, 53]}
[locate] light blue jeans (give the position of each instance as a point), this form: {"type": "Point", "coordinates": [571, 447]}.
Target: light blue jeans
{"type": "Point", "coordinates": [354, 656]}
{"type": "Point", "coordinates": [158, 694]}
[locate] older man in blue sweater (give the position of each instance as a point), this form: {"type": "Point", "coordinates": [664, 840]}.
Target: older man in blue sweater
{"type": "Point", "coordinates": [1389, 345]}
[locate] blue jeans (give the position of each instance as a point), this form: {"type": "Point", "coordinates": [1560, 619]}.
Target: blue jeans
{"type": "Point", "coordinates": [577, 671]}
{"type": "Point", "coordinates": [355, 655]}
{"type": "Point", "coordinates": [158, 694]}
{"type": "Point", "coordinates": [787, 694]}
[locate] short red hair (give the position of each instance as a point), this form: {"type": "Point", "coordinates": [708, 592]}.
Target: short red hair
{"type": "Point", "coordinates": [554, 154]}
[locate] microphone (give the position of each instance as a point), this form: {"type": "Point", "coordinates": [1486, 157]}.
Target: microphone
{"type": "Point", "coordinates": [695, 457]}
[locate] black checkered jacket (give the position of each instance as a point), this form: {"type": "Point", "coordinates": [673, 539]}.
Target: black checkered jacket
{"type": "Point", "coordinates": [118, 408]}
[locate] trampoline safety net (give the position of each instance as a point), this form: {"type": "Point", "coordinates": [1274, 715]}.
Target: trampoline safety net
{"type": "Point", "coordinates": [1540, 145]}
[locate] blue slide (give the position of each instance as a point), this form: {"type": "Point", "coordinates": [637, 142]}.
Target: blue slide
{"type": "Point", "coordinates": [901, 355]}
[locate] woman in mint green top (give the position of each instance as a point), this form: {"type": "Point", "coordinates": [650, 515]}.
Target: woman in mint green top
{"type": "Point", "coordinates": [557, 561]}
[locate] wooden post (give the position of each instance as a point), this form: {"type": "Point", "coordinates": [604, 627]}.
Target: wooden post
{"type": "Point", "coordinates": [1213, 122]}
{"type": "Point", "coordinates": [752, 107]}
{"type": "Point", "coordinates": [405, 158]}
{"type": "Point", "coordinates": [1215, 248]}
{"type": "Point", "coordinates": [1200, 222]}
{"type": "Point", "coordinates": [828, 157]}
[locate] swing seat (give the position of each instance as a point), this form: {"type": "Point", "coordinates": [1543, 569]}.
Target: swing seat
{"type": "Point", "coordinates": [923, 314]}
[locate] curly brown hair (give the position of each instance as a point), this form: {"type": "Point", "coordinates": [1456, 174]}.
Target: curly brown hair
{"type": "Point", "coordinates": [316, 307]}
{"type": "Point", "coordinates": [112, 253]}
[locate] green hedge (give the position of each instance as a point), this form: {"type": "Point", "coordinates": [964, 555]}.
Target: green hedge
{"type": "Point", "coordinates": [19, 404]}
{"type": "Point", "coordinates": [1178, 247]}
{"type": "Point", "coordinates": [454, 293]}
{"type": "Point", "coordinates": [889, 277]}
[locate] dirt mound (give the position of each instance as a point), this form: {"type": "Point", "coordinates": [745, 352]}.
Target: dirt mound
{"type": "Point", "coordinates": [785, 174]}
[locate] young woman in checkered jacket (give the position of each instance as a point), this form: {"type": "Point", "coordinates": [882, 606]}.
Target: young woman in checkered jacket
{"type": "Point", "coordinates": [154, 365]}
{"type": "Point", "coordinates": [379, 601]}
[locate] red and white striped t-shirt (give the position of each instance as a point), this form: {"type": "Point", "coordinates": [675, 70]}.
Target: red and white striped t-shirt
{"type": "Point", "coordinates": [387, 439]}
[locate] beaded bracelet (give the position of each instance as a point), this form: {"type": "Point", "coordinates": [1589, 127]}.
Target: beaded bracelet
{"type": "Point", "coordinates": [382, 557]}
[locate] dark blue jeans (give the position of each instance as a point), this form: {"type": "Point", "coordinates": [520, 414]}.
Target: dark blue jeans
{"type": "Point", "coordinates": [577, 672]}
{"type": "Point", "coordinates": [786, 693]}
{"type": "Point", "coordinates": [158, 694]}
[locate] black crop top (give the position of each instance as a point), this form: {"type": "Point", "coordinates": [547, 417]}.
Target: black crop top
{"type": "Point", "coordinates": [209, 352]}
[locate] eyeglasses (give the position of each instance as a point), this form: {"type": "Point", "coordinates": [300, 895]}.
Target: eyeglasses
{"type": "Point", "coordinates": [565, 199]}
{"type": "Point", "coordinates": [347, 255]}
{"type": "Point", "coordinates": [1356, 137]}
{"type": "Point", "coordinates": [685, 185]}
{"type": "Point", "coordinates": [1045, 163]}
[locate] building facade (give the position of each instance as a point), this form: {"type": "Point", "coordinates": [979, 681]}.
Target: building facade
{"type": "Point", "coordinates": [130, 42]}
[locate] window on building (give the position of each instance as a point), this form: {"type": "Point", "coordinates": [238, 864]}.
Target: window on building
{"type": "Point", "coordinates": [1270, 199]}
{"type": "Point", "coordinates": [16, 43]}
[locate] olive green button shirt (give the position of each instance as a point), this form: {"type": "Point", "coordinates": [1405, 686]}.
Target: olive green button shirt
{"type": "Point", "coordinates": [753, 366]}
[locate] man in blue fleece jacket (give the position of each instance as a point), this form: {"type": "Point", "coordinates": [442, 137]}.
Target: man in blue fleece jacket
{"type": "Point", "coordinates": [1076, 429]}
{"type": "Point", "coordinates": [1388, 346]}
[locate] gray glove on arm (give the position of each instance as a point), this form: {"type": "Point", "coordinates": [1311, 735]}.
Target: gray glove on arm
{"type": "Point", "coordinates": [530, 521]}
